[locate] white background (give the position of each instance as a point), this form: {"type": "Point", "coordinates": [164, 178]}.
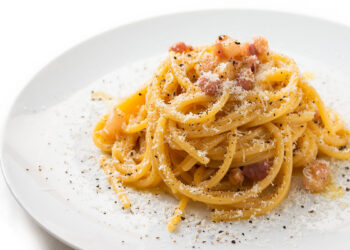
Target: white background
{"type": "Point", "coordinates": [34, 32]}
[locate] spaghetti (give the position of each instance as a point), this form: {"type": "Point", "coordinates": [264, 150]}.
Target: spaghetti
{"type": "Point", "coordinates": [223, 124]}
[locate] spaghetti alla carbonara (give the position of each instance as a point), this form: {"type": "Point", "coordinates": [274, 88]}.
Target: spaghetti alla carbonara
{"type": "Point", "coordinates": [223, 124]}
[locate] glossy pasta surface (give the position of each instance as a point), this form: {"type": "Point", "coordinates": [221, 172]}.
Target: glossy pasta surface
{"type": "Point", "coordinates": [223, 124]}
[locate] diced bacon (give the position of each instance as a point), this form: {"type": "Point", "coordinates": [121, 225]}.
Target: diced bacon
{"type": "Point", "coordinates": [236, 176]}
{"type": "Point", "coordinates": [208, 85]}
{"type": "Point", "coordinates": [226, 47]}
{"type": "Point", "coordinates": [219, 50]}
{"type": "Point", "coordinates": [246, 84]}
{"type": "Point", "coordinates": [257, 171]}
{"type": "Point", "coordinates": [180, 47]}
{"type": "Point", "coordinates": [252, 50]}
{"type": "Point", "coordinates": [261, 45]}
{"type": "Point", "coordinates": [245, 78]}
{"type": "Point", "coordinates": [316, 176]}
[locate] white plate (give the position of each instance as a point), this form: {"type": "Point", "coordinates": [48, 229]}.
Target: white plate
{"type": "Point", "coordinates": [27, 158]}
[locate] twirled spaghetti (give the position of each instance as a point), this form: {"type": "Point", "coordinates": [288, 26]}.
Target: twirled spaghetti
{"type": "Point", "coordinates": [223, 124]}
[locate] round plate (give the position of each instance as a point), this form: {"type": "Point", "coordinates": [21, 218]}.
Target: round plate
{"type": "Point", "coordinates": [321, 41]}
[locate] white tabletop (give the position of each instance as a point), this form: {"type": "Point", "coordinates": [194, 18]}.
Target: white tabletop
{"type": "Point", "coordinates": [34, 32]}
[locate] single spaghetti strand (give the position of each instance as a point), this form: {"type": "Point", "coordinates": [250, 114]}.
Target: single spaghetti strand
{"type": "Point", "coordinates": [178, 213]}
{"type": "Point", "coordinates": [116, 184]}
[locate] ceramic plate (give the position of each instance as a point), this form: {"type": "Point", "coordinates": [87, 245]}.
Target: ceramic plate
{"type": "Point", "coordinates": [51, 165]}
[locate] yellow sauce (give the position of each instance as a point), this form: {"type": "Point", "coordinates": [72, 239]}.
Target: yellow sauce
{"type": "Point", "coordinates": [101, 96]}
{"type": "Point", "coordinates": [333, 190]}
{"type": "Point", "coordinates": [309, 75]}
{"type": "Point", "coordinates": [344, 204]}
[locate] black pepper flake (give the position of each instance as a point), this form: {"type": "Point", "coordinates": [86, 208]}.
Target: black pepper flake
{"type": "Point", "coordinates": [220, 231]}
{"type": "Point", "coordinates": [250, 222]}
{"type": "Point", "coordinates": [221, 37]}
{"type": "Point", "coordinates": [175, 57]}
{"type": "Point", "coordinates": [155, 156]}
{"type": "Point", "coordinates": [233, 241]}
{"type": "Point", "coordinates": [284, 227]}
{"type": "Point", "coordinates": [140, 94]}
{"type": "Point", "coordinates": [311, 211]}
{"type": "Point", "coordinates": [302, 206]}
{"type": "Point", "coordinates": [342, 147]}
{"type": "Point", "coordinates": [347, 168]}
{"type": "Point", "coordinates": [347, 189]}
{"type": "Point", "coordinates": [238, 43]}
{"type": "Point", "coordinates": [181, 65]}
{"type": "Point", "coordinates": [183, 218]}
